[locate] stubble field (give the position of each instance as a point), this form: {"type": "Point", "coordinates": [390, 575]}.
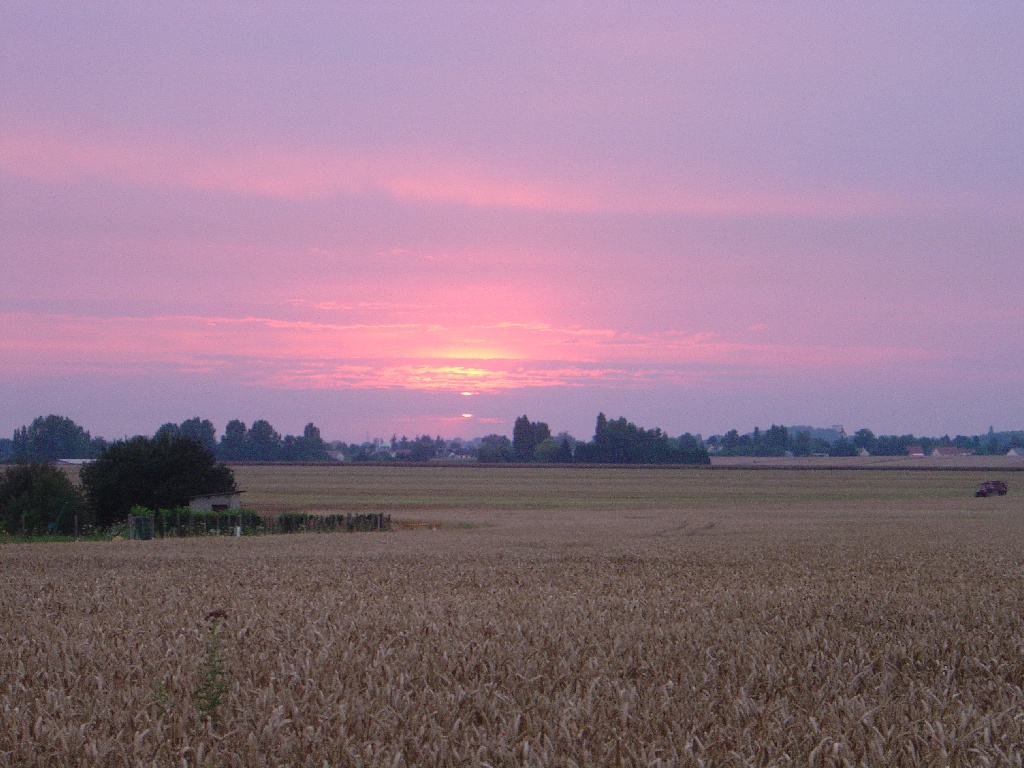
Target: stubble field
{"type": "Point", "coordinates": [538, 616]}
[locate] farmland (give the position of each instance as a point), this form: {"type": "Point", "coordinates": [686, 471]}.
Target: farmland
{"type": "Point", "coordinates": [541, 616]}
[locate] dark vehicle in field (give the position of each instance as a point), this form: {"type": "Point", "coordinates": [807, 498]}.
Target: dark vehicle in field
{"type": "Point", "coordinates": [991, 488]}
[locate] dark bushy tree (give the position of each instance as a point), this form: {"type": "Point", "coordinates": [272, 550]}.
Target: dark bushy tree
{"type": "Point", "coordinates": [564, 454]}
{"type": "Point", "coordinates": [621, 442]}
{"type": "Point", "coordinates": [159, 473]}
{"type": "Point", "coordinates": [692, 450]}
{"type": "Point", "coordinates": [802, 444]}
{"type": "Point", "coordinates": [495, 448]}
{"type": "Point", "coordinates": [843, 448]}
{"type": "Point", "coordinates": [200, 430]}
{"type": "Point", "coordinates": [49, 438]}
{"type": "Point", "coordinates": [263, 442]}
{"type": "Point", "coordinates": [309, 447]}
{"type": "Point", "coordinates": [422, 448]}
{"type": "Point", "coordinates": [892, 445]}
{"type": "Point", "coordinates": [774, 442]}
{"type": "Point", "coordinates": [232, 442]}
{"type": "Point", "coordinates": [42, 499]}
{"type": "Point", "coordinates": [547, 451]}
{"type": "Point", "coordinates": [864, 438]}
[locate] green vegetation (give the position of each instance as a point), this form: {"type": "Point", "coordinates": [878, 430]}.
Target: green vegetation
{"type": "Point", "coordinates": [159, 473]}
{"type": "Point", "coordinates": [39, 499]}
{"type": "Point", "coordinates": [261, 442]}
{"type": "Point", "coordinates": [212, 685]}
{"type": "Point", "coordinates": [49, 438]}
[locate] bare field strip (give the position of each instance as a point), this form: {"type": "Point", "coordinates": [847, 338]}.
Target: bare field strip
{"type": "Point", "coordinates": [920, 463]}
{"type": "Point", "coordinates": [783, 618]}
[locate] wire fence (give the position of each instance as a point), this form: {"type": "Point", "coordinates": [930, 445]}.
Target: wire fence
{"type": "Point", "coordinates": [185, 522]}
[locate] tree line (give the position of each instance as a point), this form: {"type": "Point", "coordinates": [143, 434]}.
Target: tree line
{"type": "Point", "coordinates": [51, 438]}
{"type": "Point", "coordinates": [806, 441]}
{"type": "Point", "coordinates": [615, 441]}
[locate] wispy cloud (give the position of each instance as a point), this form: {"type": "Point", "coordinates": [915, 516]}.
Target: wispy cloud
{"type": "Point", "coordinates": [416, 174]}
{"type": "Point", "coordinates": [423, 356]}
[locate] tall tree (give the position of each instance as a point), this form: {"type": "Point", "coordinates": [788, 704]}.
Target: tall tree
{"type": "Point", "coordinates": [49, 438]}
{"type": "Point", "coordinates": [309, 447]}
{"type": "Point", "coordinates": [802, 443]}
{"type": "Point", "coordinates": [170, 429]}
{"type": "Point", "coordinates": [618, 441]}
{"type": "Point", "coordinates": [864, 439]}
{"type": "Point", "coordinates": [692, 450]}
{"type": "Point", "coordinates": [200, 430]}
{"type": "Point", "coordinates": [564, 453]}
{"type": "Point", "coordinates": [263, 443]}
{"type": "Point", "coordinates": [774, 442]}
{"type": "Point", "coordinates": [526, 436]}
{"type": "Point", "coordinates": [232, 445]}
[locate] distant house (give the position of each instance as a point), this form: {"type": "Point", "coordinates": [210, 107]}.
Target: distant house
{"type": "Point", "coordinates": [949, 450]}
{"type": "Point", "coordinates": [1014, 452]}
{"type": "Point", "coordinates": [216, 502]}
{"type": "Point", "coordinates": [915, 450]}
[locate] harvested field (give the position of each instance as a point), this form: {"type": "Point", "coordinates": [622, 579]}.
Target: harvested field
{"type": "Point", "coordinates": [635, 617]}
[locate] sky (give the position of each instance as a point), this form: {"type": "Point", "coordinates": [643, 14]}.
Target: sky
{"type": "Point", "coordinates": [433, 217]}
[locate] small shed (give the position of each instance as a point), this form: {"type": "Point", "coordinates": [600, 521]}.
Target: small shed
{"type": "Point", "coordinates": [216, 502]}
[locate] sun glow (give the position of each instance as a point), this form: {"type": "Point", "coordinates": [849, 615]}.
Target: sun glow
{"type": "Point", "coordinates": [314, 355]}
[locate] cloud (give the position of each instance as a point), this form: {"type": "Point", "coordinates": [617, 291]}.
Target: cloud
{"type": "Point", "coordinates": [289, 354]}
{"type": "Point", "coordinates": [443, 177]}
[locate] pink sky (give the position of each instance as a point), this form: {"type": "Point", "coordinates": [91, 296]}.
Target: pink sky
{"type": "Point", "coordinates": [697, 216]}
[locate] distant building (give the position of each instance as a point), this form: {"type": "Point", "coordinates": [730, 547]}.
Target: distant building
{"type": "Point", "coordinates": [1013, 452]}
{"type": "Point", "coordinates": [915, 450]}
{"type": "Point", "coordinates": [216, 502]}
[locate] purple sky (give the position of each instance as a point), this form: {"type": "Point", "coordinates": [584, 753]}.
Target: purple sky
{"type": "Point", "coordinates": [383, 217]}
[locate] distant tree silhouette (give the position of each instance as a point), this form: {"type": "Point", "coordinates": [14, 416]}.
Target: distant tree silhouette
{"type": "Point", "coordinates": [619, 441]}
{"type": "Point", "coordinates": [526, 436]}
{"type": "Point", "coordinates": [495, 448]}
{"type": "Point", "coordinates": [49, 438]}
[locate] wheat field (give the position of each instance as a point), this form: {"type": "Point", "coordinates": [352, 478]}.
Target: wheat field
{"type": "Point", "coordinates": [611, 617]}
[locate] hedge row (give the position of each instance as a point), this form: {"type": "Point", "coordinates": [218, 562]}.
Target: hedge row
{"type": "Point", "coordinates": [184, 522]}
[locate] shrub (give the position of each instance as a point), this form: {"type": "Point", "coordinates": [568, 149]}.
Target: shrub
{"type": "Point", "coordinates": [162, 472]}
{"type": "Point", "coordinates": [39, 498]}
